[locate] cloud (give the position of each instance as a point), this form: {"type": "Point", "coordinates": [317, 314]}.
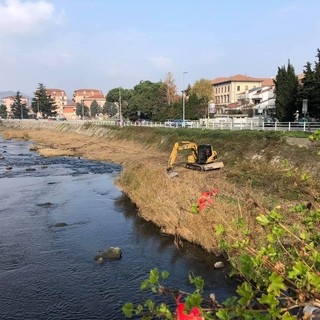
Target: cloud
{"type": "Point", "coordinates": [24, 18]}
{"type": "Point", "coordinates": [161, 63]}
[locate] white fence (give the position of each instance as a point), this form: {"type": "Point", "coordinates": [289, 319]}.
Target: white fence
{"type": "Point", "coordinates": [213, 124]}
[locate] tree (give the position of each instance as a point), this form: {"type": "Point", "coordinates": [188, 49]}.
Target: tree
{"type": "Point", "coordinates": [147, 98]}
{"type": "Point", "coordinates": [82, 110]}
{"type": "Point", "coordinates": [197, 107]}
{"type": "Point", "coordinates": [310, 88]}
{"type": "Point", "coordinates": [170, 89]}
{"type": "Point", "coordinates": [110, 109]}
{"type": "Point", "coordinates": [18, 108]}
{"type": "Point", "coordinates": [3, 111]}
{"type": "Point", "coordinates": [286, 91]}
{"type": "Point", "coordinates": [95, 109]}
{"type": "Point", "coordinates": [43, 103]}
{"type": "Point", "coordinates": [114, 96]}
{"type": "Point", "coordinates": [203, 89]}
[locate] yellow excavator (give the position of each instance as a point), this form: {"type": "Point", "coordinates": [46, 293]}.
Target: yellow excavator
{"type": "Point", "coordinates": [202, 158]}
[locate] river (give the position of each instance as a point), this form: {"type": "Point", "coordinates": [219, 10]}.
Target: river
{"type": "Point", "coordinates": [49, 272]}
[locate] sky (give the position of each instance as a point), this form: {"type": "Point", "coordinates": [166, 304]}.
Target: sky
{"type": "Point", "coordinates": [106, 44]}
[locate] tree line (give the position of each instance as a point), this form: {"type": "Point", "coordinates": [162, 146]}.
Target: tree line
{"type": "Point", "coordinates": [157, 101]}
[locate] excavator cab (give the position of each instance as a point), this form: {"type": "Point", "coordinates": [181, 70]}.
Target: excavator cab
{"type": "Point", "coordinates": [206, 154]}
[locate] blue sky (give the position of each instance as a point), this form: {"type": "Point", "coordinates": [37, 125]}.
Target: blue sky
{"type": "Point", "coordinates": [104, 44]}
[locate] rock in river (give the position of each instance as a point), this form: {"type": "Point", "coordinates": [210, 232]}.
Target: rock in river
{"type": "Point", "coordinates": [113, 253]}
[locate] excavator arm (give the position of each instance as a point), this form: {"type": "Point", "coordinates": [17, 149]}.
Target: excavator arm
{"type": "Point", "coordinates": [182, 145]}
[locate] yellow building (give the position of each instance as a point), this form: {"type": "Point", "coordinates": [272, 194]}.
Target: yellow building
{"type": "Point", "coordinates": [225, 90]}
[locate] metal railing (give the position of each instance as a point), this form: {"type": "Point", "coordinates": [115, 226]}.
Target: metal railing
{"type": "Point", "coordinates": [211, 125]}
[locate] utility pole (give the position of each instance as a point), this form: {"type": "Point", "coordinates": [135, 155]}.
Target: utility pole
{"type": "Point", "coordinates": [120, 111]}
{"type": "Point", "coordinates": [82, 105]}
{"type": "Point", "coordinates": [183, 101]}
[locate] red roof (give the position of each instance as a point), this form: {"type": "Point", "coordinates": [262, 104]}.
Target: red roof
{"type": "Point", "coordinates": [233, 105]}
{"type": "Point", "coordinates": [267, 82]}
{"type": "Point", "coordinates": [95, 96]}
{"type": "Point", "coordinates": [237, 77]}
{"type": "Point", "coordinates": [55, 90]}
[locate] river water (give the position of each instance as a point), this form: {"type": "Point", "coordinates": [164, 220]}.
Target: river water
{"type": "Point", "coordinates": [49, 272]}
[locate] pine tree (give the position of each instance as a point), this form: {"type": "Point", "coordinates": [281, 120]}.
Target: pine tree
{"type": "Point", "coordinates": [82, 110]}
{"type": "Point", "coordinates": [310, 88]}
{"type": "Point", "coordinates": [286, 90]}
{"type": "Point", "coordinates": [18, 108]}
{"type": "Point", "coordinates": [95, 109]}
{"type": "Point", "coordinates": [43, 103]}
{"type": "Point", "coordinates": [3, 111]}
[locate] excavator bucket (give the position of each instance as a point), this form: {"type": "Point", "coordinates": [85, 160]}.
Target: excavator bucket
{"type": "Point", "coordinates": [172, 173]}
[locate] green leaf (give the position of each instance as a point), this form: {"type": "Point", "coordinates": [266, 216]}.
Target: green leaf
{"type": "Point", "coordinates": [127, 309]}
{"type": "Point", "coordinates": [298, 270]}
{"type": "Point", "coordinates": [263, 220]}
{"type": "Point", "coordinates": [240, 223]}
{"type": "Point", "coordinates": [154, 276]}
{"type": "Point", "coordinates": [144, 285]}
{"type": "Point", "coordinates": [164, 275]}
{"type": "Point", "coordinates": [193, 300]}
{"type": "Point", "coordinates": [139, 309]}
{"type": "Point", "coordinates": [220, 230]}
{"type": "Point", "coordinates": [276, 284]}
{"type": "Point", "coordinates": [269, 299]}
{"type": "Point", "coordinates": [304, 235]}
{"type": "Point", "coordinates": [195, 209]}
{"type": "Point", "coordinates": [222, 314]}
{"type": "Point", "coordinates": [270, 238]}
{"type": "Point", "coordinates": [163, 308]}
{"type": "Point", "coordinates": [246, 293]}
{"type": "Point", "coordinates": [288, 316]}
{"type": "Point", "coordinates": [149, 304]}
{"type": "Point", "coordinates": [198, 282]}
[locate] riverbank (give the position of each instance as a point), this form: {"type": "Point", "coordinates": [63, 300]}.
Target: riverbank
{"type": "Point", "coordinates": [252, 181]}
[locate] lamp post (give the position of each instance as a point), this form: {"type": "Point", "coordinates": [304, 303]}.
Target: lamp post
{"type": "Point", "coordinates": [120, 111]}
{"type": "Point", "coordinates": [82, 105]}
{"type": "Point", "coordinates": [183, 100]}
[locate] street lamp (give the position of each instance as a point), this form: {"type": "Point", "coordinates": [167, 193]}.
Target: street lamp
{"type": "Point", "coordinates": [82, 105]}
{"type": "Point", "coordinates": [183, 100]}
{"type": "Point", "coordinates": [120, 111]}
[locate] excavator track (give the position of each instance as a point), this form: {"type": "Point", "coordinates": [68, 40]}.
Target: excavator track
{"type": "Point", "coordinates": [205, 167]}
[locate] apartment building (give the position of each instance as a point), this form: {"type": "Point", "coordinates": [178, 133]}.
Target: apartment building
{"type": "Point", "coordinates": [226, 89]}
{"type": "Point", "coordinates": [9, 100]}
{"type": "Point", "coordinates": [60, 98]}
{"type": "Point", "coordinates": [87, 96]}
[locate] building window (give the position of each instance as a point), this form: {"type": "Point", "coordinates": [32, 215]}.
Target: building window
{"type": "Point", "coordinates": [238, 88]}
